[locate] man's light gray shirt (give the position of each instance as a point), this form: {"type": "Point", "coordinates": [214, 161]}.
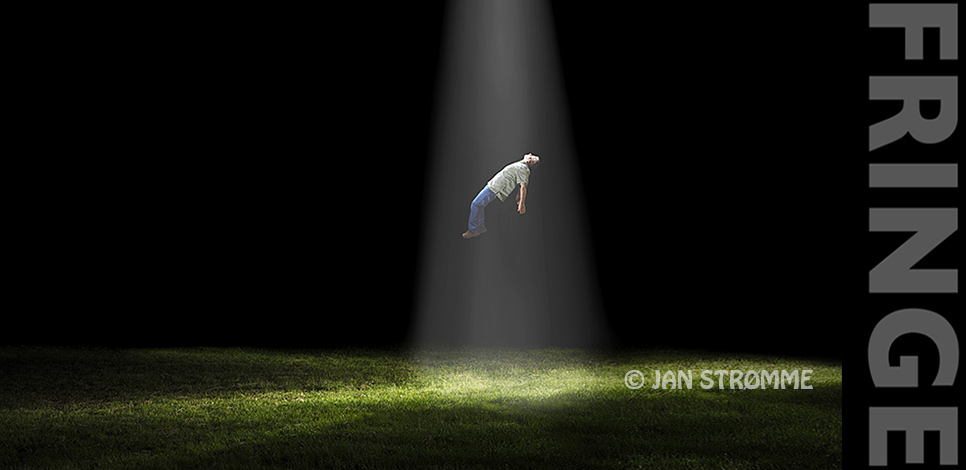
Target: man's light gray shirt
{"type": "Point", "coordinates": [512, 175]}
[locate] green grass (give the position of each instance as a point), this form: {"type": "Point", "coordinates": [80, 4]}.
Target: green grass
{"type": "Point", "coordinates": [444, 409]}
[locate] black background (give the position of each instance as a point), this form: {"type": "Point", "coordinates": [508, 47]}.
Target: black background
{"type": "Point", "coordinates": [258, 177]}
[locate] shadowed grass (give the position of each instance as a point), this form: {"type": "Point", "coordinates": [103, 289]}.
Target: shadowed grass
{"type": "Point", "coordinates": [240, 408]}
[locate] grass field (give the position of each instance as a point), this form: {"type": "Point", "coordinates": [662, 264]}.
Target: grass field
{"type": "Point", "coordinates": [445, 409]}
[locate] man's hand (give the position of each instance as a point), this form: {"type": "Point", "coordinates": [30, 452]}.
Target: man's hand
{"type": "Point", "coordinates": [522, 208]}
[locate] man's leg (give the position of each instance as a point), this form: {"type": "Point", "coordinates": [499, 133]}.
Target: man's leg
{"type": "Point", "coordinates": [477, 222]}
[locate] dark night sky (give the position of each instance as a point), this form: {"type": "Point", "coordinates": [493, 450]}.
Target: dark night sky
{"type": "Point", "coordinates": [257, 178]}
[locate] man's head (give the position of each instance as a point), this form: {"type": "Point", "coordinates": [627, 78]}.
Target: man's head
{"type": "Point", "coordinates": [531, 160]}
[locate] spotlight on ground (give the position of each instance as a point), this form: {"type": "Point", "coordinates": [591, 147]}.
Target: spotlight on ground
{"type": "Point", "coordinates": [529, 280]}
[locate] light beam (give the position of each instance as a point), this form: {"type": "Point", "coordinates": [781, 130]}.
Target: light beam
{"type": "Point", "coordinates": [529, 280]}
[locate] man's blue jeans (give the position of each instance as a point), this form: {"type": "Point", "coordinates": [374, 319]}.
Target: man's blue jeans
{"type": "Point", "coordinates": [476, 223]}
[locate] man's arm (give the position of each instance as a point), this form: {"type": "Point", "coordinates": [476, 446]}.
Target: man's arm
{"type": "Point", "coordinates": [522, 206]}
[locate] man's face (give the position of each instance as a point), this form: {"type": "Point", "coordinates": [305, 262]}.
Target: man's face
{"type": "Point", "coordinates": [530, 159]}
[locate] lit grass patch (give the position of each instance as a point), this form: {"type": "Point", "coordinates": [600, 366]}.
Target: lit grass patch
{"type": "Point", "coordinates": [547, 408]}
